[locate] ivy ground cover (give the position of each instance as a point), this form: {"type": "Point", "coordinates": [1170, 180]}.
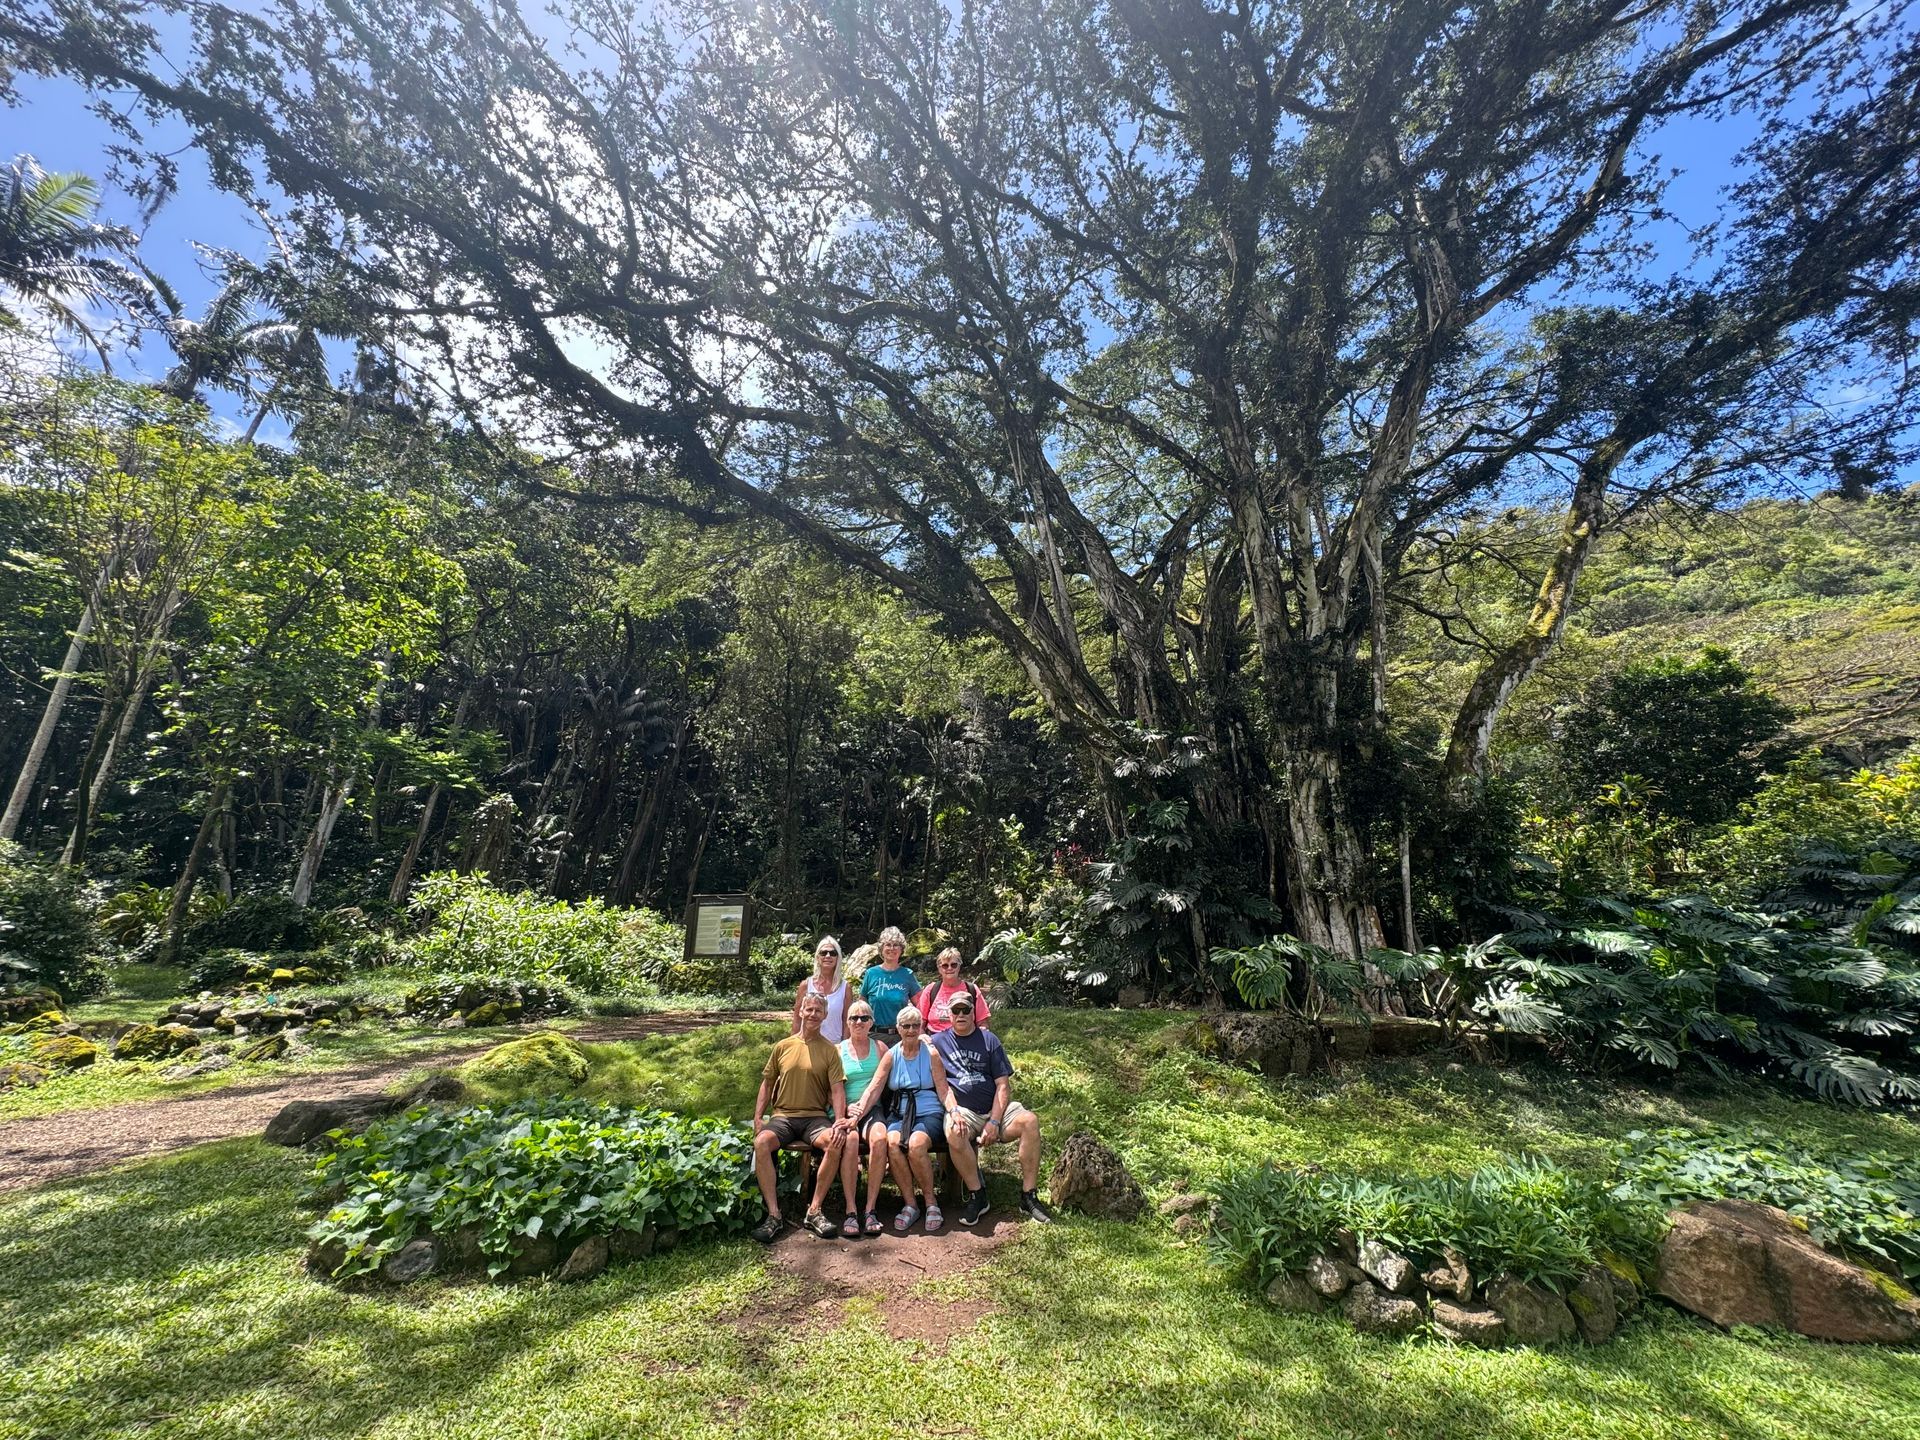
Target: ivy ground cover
{"type": "Point", "coordinates": [167, 1299]}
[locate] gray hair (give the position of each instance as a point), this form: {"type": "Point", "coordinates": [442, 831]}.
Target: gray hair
{"type": "Point", "coordinates": [892, 935]}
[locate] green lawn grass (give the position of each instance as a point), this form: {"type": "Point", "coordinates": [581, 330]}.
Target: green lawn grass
{"type": "Point", "coordinates": [165, 1299]}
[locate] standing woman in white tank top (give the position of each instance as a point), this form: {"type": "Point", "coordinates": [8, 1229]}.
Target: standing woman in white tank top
{"type": "Point", "coordinates": [827, 984]}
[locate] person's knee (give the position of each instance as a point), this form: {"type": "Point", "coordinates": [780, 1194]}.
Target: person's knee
{"type": "Point", "coordinates": [765, 1143]}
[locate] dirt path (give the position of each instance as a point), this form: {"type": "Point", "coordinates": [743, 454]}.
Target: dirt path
{"type": "Point", "coordinates": [50, 1147]}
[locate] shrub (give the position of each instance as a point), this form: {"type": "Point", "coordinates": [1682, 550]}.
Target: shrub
{"type": "Point", "coordinates": [1527, 1217]}
{"type": "Point", "coordinates": [564, 1170]}
{"type": "Point", "coordinates": [1868, 1205]}
{"type": "Point", "coordinates": [780, 963]}
{"type": "Point", "coordinates": [474, 929]}
{"type": "Point", "coordinates": [46, 926]}
{"type": "Point", "coordinates": [265, 920]}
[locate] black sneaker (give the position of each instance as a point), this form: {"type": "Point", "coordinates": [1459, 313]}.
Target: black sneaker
{"type": "Point", "coordinates": [768, 1230]}
{"type": "Point", "coordinates": [975, 1208]}
{"type": "Point", "coordinates": [1033, 1209]}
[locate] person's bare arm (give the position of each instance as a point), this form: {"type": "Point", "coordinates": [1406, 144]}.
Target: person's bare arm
{"type": "Point", "coordinates": [760, 1105]}
{"type": "Point", "coordinates": [840, 1104]}
{"type": "Point", "coordinates": [876, 1087]}
{"type": "Point", "coordinates": [940, 1081]}
{"type": "Point", "coordinates": [798, 996]}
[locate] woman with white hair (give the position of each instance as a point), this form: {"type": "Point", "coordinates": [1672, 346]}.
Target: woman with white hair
{"type": "Point", "coordinates": [827, 984]}
{"type": "Point", "coordinates": [889, 985]}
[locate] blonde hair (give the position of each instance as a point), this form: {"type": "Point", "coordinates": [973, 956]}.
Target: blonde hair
{"type": "Point", "coordinates": [952, 950]}
{"type": "Point", "coordinates": [892, 935]}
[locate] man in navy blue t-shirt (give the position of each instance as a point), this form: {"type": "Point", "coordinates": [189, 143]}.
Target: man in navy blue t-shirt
{"type": "Point", "coordinates": [979, 1075]}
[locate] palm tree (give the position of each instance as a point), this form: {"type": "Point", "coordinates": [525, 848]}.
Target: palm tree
{"type": "Point", "coordinates": [55, 256]}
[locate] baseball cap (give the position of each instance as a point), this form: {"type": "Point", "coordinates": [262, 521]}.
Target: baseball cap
{"type": "Point", "coordinates": [962, 1001]}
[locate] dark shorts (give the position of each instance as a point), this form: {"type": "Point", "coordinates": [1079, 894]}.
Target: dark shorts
{"type": "Point", "coordinates": [796, 1129]}
{"type": "Point", "coordinates": [932, 1126]}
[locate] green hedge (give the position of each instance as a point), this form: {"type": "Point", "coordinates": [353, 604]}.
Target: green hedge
{"type": "Point", "coordinates": [562, 1170]}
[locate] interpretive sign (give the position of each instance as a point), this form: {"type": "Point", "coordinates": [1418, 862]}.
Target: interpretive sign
{"type": "Point", "coordinates": [717, 927]}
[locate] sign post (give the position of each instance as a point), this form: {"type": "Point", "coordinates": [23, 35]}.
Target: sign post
{"type": "Point", "coordinates": [719, 927]}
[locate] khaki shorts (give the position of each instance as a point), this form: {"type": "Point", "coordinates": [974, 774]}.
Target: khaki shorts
{"type": "Point", "coordinates": [973, 1122]}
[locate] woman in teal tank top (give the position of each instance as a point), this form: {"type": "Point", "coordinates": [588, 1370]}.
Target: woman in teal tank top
{"type": "Point", "coordinates": [909, 1069]}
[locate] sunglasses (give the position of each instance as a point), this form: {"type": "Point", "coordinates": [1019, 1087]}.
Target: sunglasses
{"type": "Point", "coordinates": [861, 1019]}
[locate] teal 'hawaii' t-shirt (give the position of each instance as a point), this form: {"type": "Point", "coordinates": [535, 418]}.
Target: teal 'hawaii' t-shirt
{"type": "Point", "coordinates": [887, 990]}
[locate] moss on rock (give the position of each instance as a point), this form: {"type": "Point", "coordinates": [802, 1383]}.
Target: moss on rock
{"type": "Point", "coordinates": [154, 1042]}
{"type": "Point", "coordinates": [64, 1052]}
{"type": "Point", "coordinates": [541, 1063]}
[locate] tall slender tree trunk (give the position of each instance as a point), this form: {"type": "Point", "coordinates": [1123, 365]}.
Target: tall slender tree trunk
{"type": "Point", "coordinates": [333, 805]}
{"type": "Point", "coordinates": [49, 719]}
{"type": "Point", "coordinates": [403, 877]}
{"type": "Point", "coordinates": [190, 872]}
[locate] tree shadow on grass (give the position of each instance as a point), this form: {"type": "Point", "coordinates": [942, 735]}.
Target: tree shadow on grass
{"type": "Point", "coordinates": [169, 1294]}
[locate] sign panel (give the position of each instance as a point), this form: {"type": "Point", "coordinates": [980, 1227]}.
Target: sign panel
{"type": "Point", "coordinates": [717, 927]}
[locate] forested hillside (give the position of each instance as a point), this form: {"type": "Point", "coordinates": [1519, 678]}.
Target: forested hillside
{"type": "Point", "coordinates": [1818, 598]}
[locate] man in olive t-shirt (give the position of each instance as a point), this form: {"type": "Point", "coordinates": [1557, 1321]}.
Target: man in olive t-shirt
{"type": "Point", "coordinates": [806, 1087]}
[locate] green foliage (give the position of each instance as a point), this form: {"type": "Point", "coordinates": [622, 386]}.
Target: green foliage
{"type": "Point", "coordinates": [1697, 733]}
{"type": "Point", "coordinates": [474, 929]}
{"type": "Point", "coordinates": [1529, 1217]}
{"type": "Point", "coordinates": [46, 925]}
{"type": "Point", "coordinates": [262, 921]}
{"type": "Point", "coordinates": [1865, 1203]}
{"type": "Point", "coordinates": [1810, 806]}
{"type": "Point", "coordinates": [780, 963]}
{"type": "Point", "coordinates": [522, 1172]}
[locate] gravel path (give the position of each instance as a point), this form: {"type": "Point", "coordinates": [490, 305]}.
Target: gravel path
{"type": "Point", "coordinates": [50, 1147]}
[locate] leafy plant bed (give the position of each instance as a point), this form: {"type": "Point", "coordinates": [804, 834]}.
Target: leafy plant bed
{"type": "Point", "coordinates": [1522, 1252]}
{"type": "Point", "coordinates": [1866, 1205]}
{"type": "Point", "coordinates": [521, 1188]}
{"type": "Point", "coordinates": [459, 1004]}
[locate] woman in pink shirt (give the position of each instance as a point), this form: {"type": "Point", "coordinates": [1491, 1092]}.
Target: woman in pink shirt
{"type": "Point", "coordinates": [932, 1002]}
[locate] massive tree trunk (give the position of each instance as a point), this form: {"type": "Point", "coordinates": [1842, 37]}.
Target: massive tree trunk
{"type": "Point", "coordinates": [49, 719]}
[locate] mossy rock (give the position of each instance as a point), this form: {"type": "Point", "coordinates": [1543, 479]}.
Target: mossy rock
{"type": "Point", "coordinates": [18, 1075]}
{"type": "Point", "coordinates": [154, 1042]}
{"type": "Point", "coordinates": [267, 1047]}
{"type": "Point", "coordinates": [545, 1062]}
{"type": "Point", "coordinates": [224, 1024]}
{"type": "Point", "coordinates": [64, 1052]}
{"type": "Point", "coordinates": [305, 975]}
{"type": "Point", "coordinates": [44, 1021]}
{"type": "Point", "coordinates": [20, 1005]}
{"type": "Point", "coordinates": [491, 1013]}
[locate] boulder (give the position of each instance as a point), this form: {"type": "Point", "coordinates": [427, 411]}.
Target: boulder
{"type": "Point", "coordinates": [1275, 1045]}
{"type": "Point", "coordinates": [281, 976]}
{"type": "Point", "coordinates": [461, 1250]}
{"type": "Point", "coordinates": [491, 1013]}
{"type": "Point", "coordinates": [155, 1042]}
{"type": "Point", "coordinates": [18, 1075]}
{"type": "Point", "coordinates": [666, 1239]}
{"type": "Point", "coordinates": [453, 1022]}
{"type": "Point", "coordinates": [1450, 1277]}
{"type": "Point", "coordinates": [548, 1061]}
{"type": "Point", "coordinates": [1330, 1277]}
{"type": "Point", "coordinates": [415, 1260]}
{"type": "Point", "coordinates": [588, 1259]}
{"type": "Point", "coordinates": [1294, 1295]}
{"type": "Point", "coordinates": [632, 1244]}
{"type": "Point", "coordinates": [1534, 1314]}
{"type": "Point", "coordinates": [189, 1070]}
{"type": "Point", "coordinates": [1592, 1303]}
{"type": "Point", "coordinates": [1374, 1312]}
{"type": "Point", "coordinates": [300, 1122]}
{"type": "Point", "coordinates": [23, 1004]}
{"type": "Point", "coordinates": [1389, 1268]}
{"type": "Point", "coordinates": [1132, 997]}
{"type": "Point", "coordinates": [1184, 1202]}
{"type": "Point", "coordinates": [1090, 1178]}
{"type": "Point", "coordinates": [307, 975]}
{"type": "Point", "coordinates": [440, 1088]}
{"type": "Point", "coordinates": [267, 1047]}
{"type": "Point", "coordinates": [1469, 1324]}
{"type": "Point", "coordinates": [225, 1024]}
{"type": "Point", "coordinates": [62, 1052]}
{"type": "Point", "coordinates": [1628, 1283]}
{"type": "Point", "coordinates": [1738, 1263]}
{"type": "Point", "coordinates": [1346, 1244]}
{"type": "Point", "coordinates": [44, 1022]}
{"type": "Point", "coordinates": [324, 1257]}
{"type": "Point", "coordinates": [535, 1257]}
